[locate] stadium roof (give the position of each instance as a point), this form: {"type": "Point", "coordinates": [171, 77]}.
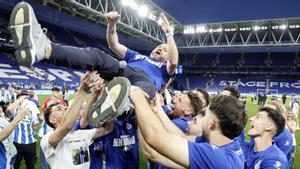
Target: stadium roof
{"type": "Point", "coordinates": [211, 11]}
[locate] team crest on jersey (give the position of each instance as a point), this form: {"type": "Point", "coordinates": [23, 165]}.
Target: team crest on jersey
{"type": "Point", "coordinates": [287, 143]}
{"type": "Point", "coordinates": [239, 152]}
{"type": "Point", "coordinates": [128, 126]}
{"type": "Point", "coordinates": [214, 147]}
{"type": "Point", "coordinates": [257, 165]}
{"type": "Point", "coordinates": [277, 164]}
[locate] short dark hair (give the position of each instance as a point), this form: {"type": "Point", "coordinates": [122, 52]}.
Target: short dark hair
{"type": "Point", "coordinates": [196, 102]}
{"type": "Point", "coordinates": [55, 88]}
{"type": "Point", "coordinates": [31, 88]}
{"type": "Point", "coordinates": [205, 94]}
{"type": "Point", "coordinates": [48, 112]}
{"type": "Point", "coordinates": [277, 118]}
{"type": "Point", "coordinates": [233, 91]}
{"type": "Point", "coordinates": [23, 93]}
{"type": "Point", "coordinates": [229, 111]}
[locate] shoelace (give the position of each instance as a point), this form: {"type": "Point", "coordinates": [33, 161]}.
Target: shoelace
{"type": "Point", "coordinates": [19, 25]}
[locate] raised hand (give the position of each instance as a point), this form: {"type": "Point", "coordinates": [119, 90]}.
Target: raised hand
{"type": "Point", "coordinates": [112, 17]}
{"type": "Point", "coordinates": [98, 86]}
{"type": "Point", "coordinates": [165, 23]}
{"type": "Point", "coordinates": [22, 112]}
{"type": "Point", "coordinates": [157, 103]}
{"type": "Point", "coordinates": [87, 80]}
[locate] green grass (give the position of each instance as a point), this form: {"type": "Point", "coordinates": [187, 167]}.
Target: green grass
{"type": "Point", "coordinates": [252, 110]}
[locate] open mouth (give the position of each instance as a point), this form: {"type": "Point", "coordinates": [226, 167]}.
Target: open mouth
{"type": "Point", "coordinates": [158, 52]}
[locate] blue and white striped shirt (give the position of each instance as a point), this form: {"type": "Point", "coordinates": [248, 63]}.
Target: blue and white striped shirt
{"type": "Point", "coordinates": [7, 149]}
{"type": "Point", "coordinates": [45, 129]}
{"type": "Point", "coordinates": [24, 133]}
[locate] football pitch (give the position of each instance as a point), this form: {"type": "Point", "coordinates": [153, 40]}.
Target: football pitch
{"type": "Point", "coordinates": [252, 110]}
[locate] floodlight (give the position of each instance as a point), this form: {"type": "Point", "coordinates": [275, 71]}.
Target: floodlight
{"type": "Point", "coordinates": [256, 28]}
{"type": "Point", "coordinates": [283, 26]}
{"type": "Point", "coordinates": [143, 11]}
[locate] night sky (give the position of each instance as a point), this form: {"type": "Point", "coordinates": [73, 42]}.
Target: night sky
{"type": "Point", "coordinates": [210, 11]}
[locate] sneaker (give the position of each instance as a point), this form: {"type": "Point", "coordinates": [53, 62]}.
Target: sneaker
{"type": "Point", "coordinates": [28, 36]}
{"type": "Point", "coordinates": [112, 103]}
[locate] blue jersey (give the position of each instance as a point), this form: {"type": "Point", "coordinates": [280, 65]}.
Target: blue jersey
{"type": "Point", "coordinates": [269, 158]}
{"type": "Point", "coordinates": [200, 139]}
{"type": "Point", "coordinates": [181, 123]}
{"type": "Point", "coordinates": [118, 149]}
{"type": "Point", "coordinates": [24, 133]}
{"type": "Point", "coordinates": [241, 140]}
{"type": "Point", "coordinates": [4, 159]}
{"type": "Point", "coordinates": [205, 155]}
{"type": "Point", "coordinates": [284, 141]}
{"type": "Point", "coordinates": [156, 70]}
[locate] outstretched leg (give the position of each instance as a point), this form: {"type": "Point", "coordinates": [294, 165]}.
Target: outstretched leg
{"type": "Point", "coordinates": [33, 45]}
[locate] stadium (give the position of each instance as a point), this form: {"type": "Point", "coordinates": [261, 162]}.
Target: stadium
{"type": "Point", "coordinates": [228, 74]}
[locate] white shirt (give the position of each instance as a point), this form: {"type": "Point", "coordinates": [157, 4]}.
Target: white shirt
{"type": "Point", "coordinates": [71, 152]}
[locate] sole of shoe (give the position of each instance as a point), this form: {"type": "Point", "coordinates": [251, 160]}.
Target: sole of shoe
{"type": "Point", "coordinates": [110, 103]}
{"type": "Point", "coordinates": [21, 32]}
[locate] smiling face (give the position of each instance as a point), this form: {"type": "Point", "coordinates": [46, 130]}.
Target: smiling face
{"type": "Point", "coordinates": [160, 53]}
{"type": "Point", "coordinates": [182, 106]}
{"type": "Point", "coordinates": [260, 124]}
